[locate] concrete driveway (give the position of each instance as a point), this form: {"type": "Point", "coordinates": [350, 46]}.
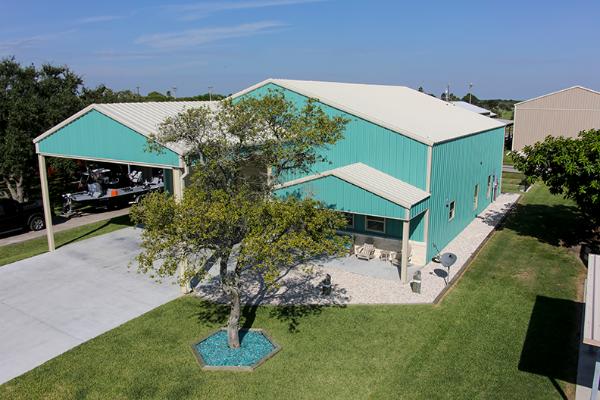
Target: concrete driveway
{"type": "Point", "coordinates": [55, 301]}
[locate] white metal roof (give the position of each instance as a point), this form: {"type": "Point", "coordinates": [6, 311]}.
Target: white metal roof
{"type": "Point", "coordinates": [558, 91]}
{"type": "Point", "coordinates": [474, 108]}
{"type": "Point", "coordinates": [371, 180]}
{"type": "Point", "coordinates": [404, 110]}
{"type": "Point", "coordinates": [591, 323]}
{"type": "Point", "coordinates": [143, 118]}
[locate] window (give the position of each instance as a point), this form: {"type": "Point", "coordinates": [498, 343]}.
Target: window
{"type": "Point", "coordinates": [451, 211]}
{"type": "Point", "coordinates": [349, 220]}
{"type": "Point", "coordinates": [489, 187]}
{"type": "Point", "coordinates": [375, 224]}
{"type": "Point", "coordinates": [476, 197]}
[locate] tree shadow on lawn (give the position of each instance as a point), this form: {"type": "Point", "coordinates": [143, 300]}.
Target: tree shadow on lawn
{"type": "Point", "coordinates": [557, 225]}
{"type": "Point", "coordinates": [551, 345]}
{"type": "Point", "coordinates": [296, 294]}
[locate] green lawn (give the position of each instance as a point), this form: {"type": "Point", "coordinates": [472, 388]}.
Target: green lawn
{"type": "Point", "coordinates": [508, 330]}
{"type": "Point", "coordinates": [513, 182]}
{"type": "Point", "coordinates": [506, 158]}
{"type": "Point", "coordinates": [19, 251]}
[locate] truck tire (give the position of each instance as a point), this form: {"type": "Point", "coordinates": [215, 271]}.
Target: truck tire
{"type": "Point", "coordinates": [36, 223]}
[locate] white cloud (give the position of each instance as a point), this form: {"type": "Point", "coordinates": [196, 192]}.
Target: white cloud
{"type": "Point", "coordinates": [99, 18]}
{"type": "Point", "coordinates": [11, 45]}
{"type": "Point", "coordinates": [196, 37]}
{"type": "Point", "coordinates": [194, 11]}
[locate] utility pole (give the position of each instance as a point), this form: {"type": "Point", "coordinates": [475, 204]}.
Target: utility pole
{"type": "Point", "coordinates": [470, 86]}
{"type": "Point", "coordinates": [210, 88]}
{"type": "Point", "coordinates": [137, 89]}
{"type": "Point", "coordinates": [448, 92]}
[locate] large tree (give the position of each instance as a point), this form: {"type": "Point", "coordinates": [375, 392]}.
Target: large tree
{"type": "Point", "coordinates": [568, 166]}
{"type": "Point", "coordinates": [31, 101]}
{"type": "Point", "coordinates": [229, 214]}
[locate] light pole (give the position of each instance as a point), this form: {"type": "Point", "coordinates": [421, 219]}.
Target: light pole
{"type": "Point", "coordinates": [470, 86]}
{"type": "Point", "coordinates": [210, 88]}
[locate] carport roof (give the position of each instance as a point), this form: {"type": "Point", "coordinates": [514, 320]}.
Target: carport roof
{"type": "Point", "coordinates": [143, 118]}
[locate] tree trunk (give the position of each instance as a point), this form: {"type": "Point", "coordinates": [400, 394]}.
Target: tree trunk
{"type": "Point", "coordinates": [15, 188]}
{"type": "Point", "coordinates": [233, 324]}
{"type": "Point", "coordinates": [230, 282]}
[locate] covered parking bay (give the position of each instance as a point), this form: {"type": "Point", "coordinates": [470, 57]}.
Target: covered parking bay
{"type": "Point", "coordinates": [114, 133]}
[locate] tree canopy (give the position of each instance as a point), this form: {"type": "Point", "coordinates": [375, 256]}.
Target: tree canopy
{"type": "Point", "coordinates": [568, 166]}
{"type": "Point", "coordinates": [229, 214]}
{"type": "Point", "coordinates": [32, 100]}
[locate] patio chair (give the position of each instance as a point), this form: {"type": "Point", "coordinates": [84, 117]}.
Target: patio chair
{"type": "Point", "coordinates": [366, 251]}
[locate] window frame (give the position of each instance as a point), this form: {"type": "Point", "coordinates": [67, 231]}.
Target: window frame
{"type": "Point", "coordinates": [353, 216]}
{"type": "Point", "coordinates": [489, 187]}
{"type": "Point", "coordinates": [451, 210]}
{"type": "Point", "coordinates": [476, 197]}
{"type": "Point", "coordinates": [377, 219]}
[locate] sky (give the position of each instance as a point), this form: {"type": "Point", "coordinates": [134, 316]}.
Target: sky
{"type": "Point", "coordinates": [509, 49]}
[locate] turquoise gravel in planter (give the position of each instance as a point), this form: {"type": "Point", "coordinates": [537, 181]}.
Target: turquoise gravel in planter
{"type": "Point", "coordinates": [213, 352]}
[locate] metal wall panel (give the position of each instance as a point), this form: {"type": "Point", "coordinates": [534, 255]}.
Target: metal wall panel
{"type": "Point", "coordinates": [457, 166]}
{"type": "Point", "coordinates": [95, 135]}
{"type": "Point", "coordinates": [564, 113]}
{"type": "Point", "coordinates": [373, 145]}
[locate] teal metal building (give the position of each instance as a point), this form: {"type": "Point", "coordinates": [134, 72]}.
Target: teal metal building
{"type": "Point", "coordinates": [412, 171]}
{"type": "Point", "coordinates": [409, 165]}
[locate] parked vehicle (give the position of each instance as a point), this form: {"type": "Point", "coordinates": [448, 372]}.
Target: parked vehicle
{"type": "Point", "coordinates": [15, 215]}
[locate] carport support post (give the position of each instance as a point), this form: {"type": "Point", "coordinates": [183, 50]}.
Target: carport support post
{"type": "Point", "coordinates": [404, 260]}
{"type": "Point", "coordinates": [46, 202]}
{"type": "Point", "coordinates": [178, 194]}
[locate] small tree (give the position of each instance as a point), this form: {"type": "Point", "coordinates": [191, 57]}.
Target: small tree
{"type": "Point", "coordinates": [228, 213]}
{"type": "Point", "coordinates": [568, 166]}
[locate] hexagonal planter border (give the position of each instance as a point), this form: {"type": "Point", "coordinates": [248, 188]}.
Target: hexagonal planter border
{"type": "Point", "coordinates": [231, 368]}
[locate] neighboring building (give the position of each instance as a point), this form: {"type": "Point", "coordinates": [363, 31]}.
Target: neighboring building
{"type": "Point", "coordinates": [409, 165]}
{"type": "Point", "coordinates": [475, 109]}
{"type": "Point", "coordinates": [563, 113]}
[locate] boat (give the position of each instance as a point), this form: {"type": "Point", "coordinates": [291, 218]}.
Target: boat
{"type": "Point", "coordinates": [106, 191]}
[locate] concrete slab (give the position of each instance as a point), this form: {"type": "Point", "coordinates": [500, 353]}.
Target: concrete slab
{"type": "Point", "coordinates": [55, 301]}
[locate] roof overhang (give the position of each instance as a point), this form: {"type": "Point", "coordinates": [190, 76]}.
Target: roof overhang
{"type": "Point", "coordinates": [371, 180]}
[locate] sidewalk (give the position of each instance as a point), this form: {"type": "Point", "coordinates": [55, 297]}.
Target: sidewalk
{"type": "Point", "coordinates": [61, 225]}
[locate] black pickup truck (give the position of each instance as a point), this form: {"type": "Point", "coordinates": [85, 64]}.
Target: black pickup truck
{"type": "Point", "coordinates": [15, 215]}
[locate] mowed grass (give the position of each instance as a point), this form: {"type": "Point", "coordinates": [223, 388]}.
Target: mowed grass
{"type": "Point", "coordinates": [29, 248]}
{"type": "Point", "coordinates": [507, 159]}
{"type": "Point", "coordinates": [513, 182]}
{"type": "Point", "coordinates": [507, 330]}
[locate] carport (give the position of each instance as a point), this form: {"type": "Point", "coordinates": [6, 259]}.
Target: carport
{"type": "Point", "coordinates": [115, 133]}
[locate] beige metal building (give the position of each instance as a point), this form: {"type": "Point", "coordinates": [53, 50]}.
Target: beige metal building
{"type": "Point", "coordinates": [562, 113]}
